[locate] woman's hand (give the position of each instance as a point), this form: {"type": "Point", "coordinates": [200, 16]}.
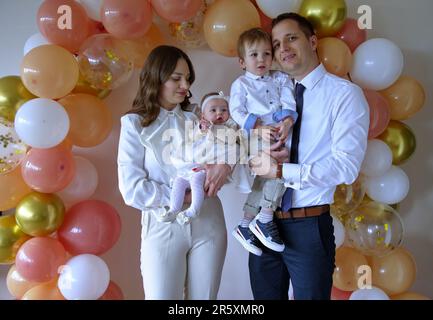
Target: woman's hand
{"type": "Point", "coordinates": [187, 198]}
{"type": "Point", "coordinates": [216, 176]}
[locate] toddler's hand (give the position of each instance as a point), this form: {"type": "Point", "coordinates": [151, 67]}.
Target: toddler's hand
{"type": "Point", "coordinates": [204, 124]}
{"type": "Point", "coordinates": [284, 128]}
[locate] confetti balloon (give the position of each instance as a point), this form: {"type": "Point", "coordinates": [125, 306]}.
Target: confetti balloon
{"type": "Point", "coordinates": [12, 149]}
{"type": "Point", "coordinates": [348, 197]}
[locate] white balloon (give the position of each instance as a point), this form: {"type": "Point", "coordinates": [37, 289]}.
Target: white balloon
{"type": "Point", "coordinates": [34, 41]}
{"type": "Point", "coordinates": [390, 188]}
{"type": "Point", "coordinates": [42, 123]}
{"type": "Point", "coordinates": [369, 294]}
{"type": "Point", "coordinates": [378, 158]}
{"type": "Point", "coordinates": [83, 185]}
{"type": "Point", "coordinates": [272, 8]}
{"type": "Point", "coordinates": [84, 277]}
{"type": "Point", "coordinates": [339, 232]}
{"type": "Point", "coordinates": [93, 8]}
{"type": "Point", "coordinates": [377, 64]}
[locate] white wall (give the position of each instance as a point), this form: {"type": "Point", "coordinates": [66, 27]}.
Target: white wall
{"type": "Point", "coordinates": [408, 24]}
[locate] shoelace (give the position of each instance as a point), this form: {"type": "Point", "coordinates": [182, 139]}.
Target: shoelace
{"type": "Point", "coordinates": [271, 228]}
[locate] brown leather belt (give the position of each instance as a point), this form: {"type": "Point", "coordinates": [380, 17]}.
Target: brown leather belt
{"type": "Point", "coordinates": [302, 212]}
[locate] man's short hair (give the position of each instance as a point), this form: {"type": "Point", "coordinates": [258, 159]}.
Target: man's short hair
{"type": "Point", "coordinates": [250, 37]}
{"type": "Point", "coordinates": [304, 24]}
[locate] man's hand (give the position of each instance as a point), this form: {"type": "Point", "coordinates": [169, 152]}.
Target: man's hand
{"type": "Point", "coordinates": [216, 176]}
{"type": "Point", "coordinates": [279, 152]}
{"type": "Point", "coordinates": [267, 133]}
{"type": "Point", "coordinates": [264, 165]}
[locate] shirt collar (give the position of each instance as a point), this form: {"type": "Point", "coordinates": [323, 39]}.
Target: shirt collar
{"type": "Point", "coordinates": [313, 77]}
{"type": "Point", "coordinates": [256, 77]}
{"type": "Point", "coordinates": [164, 112]}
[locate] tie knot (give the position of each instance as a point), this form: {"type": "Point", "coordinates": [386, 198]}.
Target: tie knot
{"type": "Point", "coordinates": [299, 90]}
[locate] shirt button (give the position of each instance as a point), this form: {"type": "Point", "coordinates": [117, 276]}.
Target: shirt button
{"type": "Point", "coordinates": [291, 183]}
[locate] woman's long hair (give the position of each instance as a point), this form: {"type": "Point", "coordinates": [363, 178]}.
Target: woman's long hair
{"type": "Point", "coordinates": [159, 66]}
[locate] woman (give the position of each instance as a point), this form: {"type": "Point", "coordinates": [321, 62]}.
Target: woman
{"type": "Point", "coordinates": [177, 261]}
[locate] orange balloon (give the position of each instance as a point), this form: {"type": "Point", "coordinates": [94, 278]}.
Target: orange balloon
{"type": "Point", "coordinates": [394, 273]}
{"type": "Point", "coordinates": [45, 291]}
{"type": "Point", "coordinates": [410, 296]}
{"type": "Point", "coordinates": [347, 262]}
{"type": "Point", "coordinates": [406, 97]}
{"type": "Point", "coordinates": [113, 292]}
{"type": "Point", "coordinates": [137, 50]}
{"type": "Point", "coordinates": [175, 10]}
{"type": "Point", "coordinates": [12, 189]}
{"type": "Point", "coordinates": [90, 119]}
{"type": "Point", "coordinates": [48, 170]}
{"type": "Point", "coordinates": [49, 71]}
{"type": "Point", "coordinates": [335, 56]}
{"type": "Point", "coordinates": [67, 29]}
{"type": "Point", "coordinates": [67, 144]}
{"type": "Point", "coordinates": [224, 22]}
{"type": "Point", "coordinates": [17, 284]}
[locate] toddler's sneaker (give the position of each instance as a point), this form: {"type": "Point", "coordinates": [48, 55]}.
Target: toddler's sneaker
{"type": "Point", "coordinates": [247, 239]}
{"type": "Point", "coordinates": [267, 234]}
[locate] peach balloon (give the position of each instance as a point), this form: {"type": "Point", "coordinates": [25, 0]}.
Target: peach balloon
{"type": "Point", "coordinates": [17, 284]}
{"type": "Point", "coordinates": [126, 19]}
{"type": "Point", "coordinates": [394, 273]}
{"type": "Point", "coordinates": [40, 258]}
{"type": "Point", "coordinates": [347, 262]}
{"type": "Point", "coordinates": [48, 170]}
{"type": "Point", "coordinates": [410, 296]}
{"type": "Point", "coordinates": [49, 71]}
{"type": "Point", "coordinates": [351, 34]}
{"type": "Point", "coordinates": [406, 97]}
{"type": "Point", "coordinates": [12, 189]}
{"type": "Point", "coordinates": [45, 291]}
{"type": "Point", "coordinates": [69, 28]}
{"type": "Point", "coordinates": [90, 119]}
{"type": "Point", "coordinates": [90, 226]}
{"type": "Point", "coordinates": [96, 27]}
{"type": "Point", "coordinates": [224, 22]}
{"type": "Point", "coordinates": [335, 56]}
{"type": "Point", "coordinates": [175, 10]}
{"type": "Point", "coordinates": [379, 113]}
{"type": "Point", "coordinates": [113, 292]}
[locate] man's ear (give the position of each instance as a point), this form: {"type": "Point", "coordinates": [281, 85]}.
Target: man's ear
{"type": "Point", "coordinates": [242, 63]}
{"type": "Point", "coordinates": [313, 42]}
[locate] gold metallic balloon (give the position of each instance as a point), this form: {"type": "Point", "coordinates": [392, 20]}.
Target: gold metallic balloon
{"type": "Point", "coordinates": [39, 214]}
{"type": "Point", "coordinates": [348, 197]}
{"type": "Point", "coordinates": [84, 86]}
{"type": "Point", "coordinates": [12, 95]}
{"type": "Point", "coordinates": [327, 17]}
{"type": "Point", "coordinates": [11, 239]}
{"type": "Point", "coordinates": [401, 140]}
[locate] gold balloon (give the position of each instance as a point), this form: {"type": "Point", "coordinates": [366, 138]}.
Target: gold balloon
{"type": "Point", "coordinates": [39, 214]}
{"type": "Point", "coordinates": [84, 86]}
{"type": "Point", "coordinates": [401, 140]}
{"type": "Point", "coordinates": [348, 197]}
{"type": "Point", "coordinates": [11, 239]}
{"type": "Point", "coordinates": [335, 56]}
{"type": "Point", "coordinates": [394, 273]}
{"type": "Point", "coordinates": [327, 17]}
{"type": "Point", "coordinates": [347, 262]}
{"type": "Point", "coordinates": [405, 97]}
{"type": "Point", "coordinates": [12, 95]}
{"type": "Point", "coordinates": [410, 296]}
{"type": "Point", "coordinates": [367, 199]}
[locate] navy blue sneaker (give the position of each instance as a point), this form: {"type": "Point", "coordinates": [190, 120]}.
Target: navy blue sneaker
{"type": "Point", "coordinates": [247, 239]}
{"type": "Point", "coordinates": [267, 234]}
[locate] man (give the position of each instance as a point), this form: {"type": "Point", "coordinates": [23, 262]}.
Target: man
{"type": "Point", "coordinates": [326, 150]}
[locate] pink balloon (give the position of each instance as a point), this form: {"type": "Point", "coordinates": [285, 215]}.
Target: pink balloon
{"type": "Point", "coordinates": [39, 259]}
{"type": "Point", "coordinates": [380, 113]}
{"type": "Point", "coordinates": [337, 294]}
{"type": "Point", "coordinates": [90, 226]}
{"type": "Point", "coordinates": [69, 36]}
{"type": "Point", "coordinates": [351, 34]}
{"type": "Point", "coordinates": [113, 292]}
{"type": "Point", "coordinates": [126, 19]}
{"type": "Point", "coordinates": [48, 170]}
{"type": "Point", "coordinates": [175, 10]}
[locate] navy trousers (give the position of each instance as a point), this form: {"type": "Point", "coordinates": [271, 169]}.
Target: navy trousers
{"type": "Point", "coordinates": [308, 260]}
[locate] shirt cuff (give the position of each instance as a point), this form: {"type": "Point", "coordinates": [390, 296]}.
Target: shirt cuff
{"type": "Point", "coordinates": [292, 175]}
{"type": "Point", "coordinates": [280, 115]}
{"type": "Point", "coordinates": [250, 122]}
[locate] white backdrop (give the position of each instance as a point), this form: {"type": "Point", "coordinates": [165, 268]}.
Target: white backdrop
{"type": "Point", "coordinates": [407, 23]}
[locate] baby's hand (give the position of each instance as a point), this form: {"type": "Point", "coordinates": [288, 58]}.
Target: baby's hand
{"type": "Point", "coordinates": [267, 132]}
{"type": "Point", "coordinates": [284, 128]}
{"type": "Point", "coordinates": [204, 124]}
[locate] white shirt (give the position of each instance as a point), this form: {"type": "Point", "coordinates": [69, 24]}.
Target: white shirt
{"type": "Point", "coordinates": [260, 96]}
{"type": "Point", "coordinates": [333, 138]}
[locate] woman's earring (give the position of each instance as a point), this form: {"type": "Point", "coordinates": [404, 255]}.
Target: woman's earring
{"type": "Point", "coordinates": [189, 95]}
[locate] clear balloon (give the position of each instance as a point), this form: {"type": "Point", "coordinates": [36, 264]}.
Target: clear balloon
{"type": "Point", "coordinates": [335, 55]}
{"type": "Point", "coordinates": [63, 22]}
{"type": "Point", "coordinates": [39, 259]}
{"type": "Point", "coordinates": [91, 119]}
{"type": "Point", "coordinates": [113, 292]}
{"type": "Point", "coordinates": [348, 197]}
{"type": "Point", "coordinates": [17, 285]}
{"type": "Point", "coordinates": [347, 262]}
{"type": "Point", "coordinates": [351, 34]}
{"type": "Point", "coordinates": [224, 22]}
{"type": "Point", "coordinates": [49, 71]}
{"type": "Point", "coordinates": [339, 233]}
{"type": "Point", "coordinates": [327, 17]}
{"type": "Point", "coordinates": [126, 19]}
{"type": "Point", "coordinates": [377, 159]}
{"type": "Point", "coordinates": [380, 113]}
{"type": "Point", "coordinates": [12, 189]}
{"type": "Point", "coordinates": [39, 214]}
{"type": "Point", "coordinates": [101, 64]}
{"type": "Point", "coordinates": [34, 41]}
{"type": "Point", "coordinates": [374, 229]}
{"type": "Point", "coordinates": [91, 226]}
{"type": "Point", "coordinates": [406, 97]}
{"type": "Point", "coordinates": [377, 64]}
{"type": "Point", "coordinates": [176, 11]}
{"type": "Point", "coordinates": [12, 149]}
{"type": "Point", "coordinates": [391, 187]}
{"type": "Point", "coordinates": [48, 170]}
{"type": "Point", "coordinates": [369, 294]}
{"type": "Point", "coordinates": [84, 277]}
{"type": "Point", "coordinates": [394, 273]}
{"type": "Point", "coordinates": [12, 95]}
{"type": "Point", "coordinates": [84, 86]}
{"type": "Point", "coordinates": [11, 239]}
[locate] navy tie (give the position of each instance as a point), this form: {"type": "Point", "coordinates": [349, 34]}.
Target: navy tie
{"type": "Point", "coordinates": [286, 202]}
